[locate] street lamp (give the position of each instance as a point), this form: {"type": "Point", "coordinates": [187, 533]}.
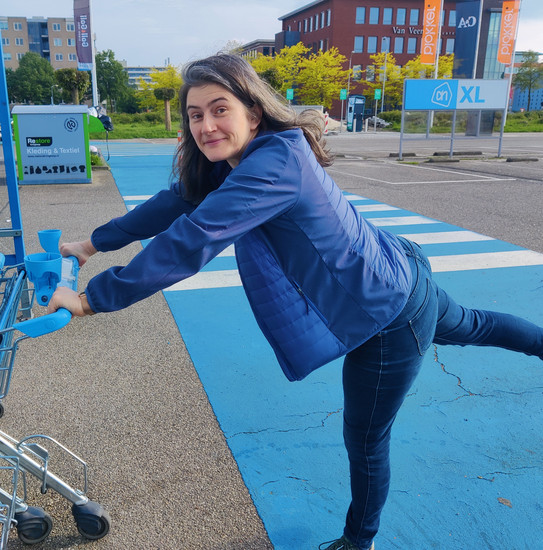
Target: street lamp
{"type": "Point", "coordinates": [349, 78]}
{"type": "Point", "coordinates": [348, 86]}
{"type": "Point", "coordinates": [384, 74]}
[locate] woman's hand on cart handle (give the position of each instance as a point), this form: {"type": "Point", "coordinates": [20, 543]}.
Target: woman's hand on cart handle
{"type": "Point", "coordinates": [68, 299]}
{"type": "Point", "coordinates": [82, 250]}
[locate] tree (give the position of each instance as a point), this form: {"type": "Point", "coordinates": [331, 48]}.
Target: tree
{"type": "Point", "coordinates": [170, 77]}
{"type": "Point", "coordinates": [232, 47]}
{"type": "Point", "coordinates": [530, 75]}
{"type": "Point", "coordinates": [166, 95]}
{"type": "Point", "coordinates": [111, 78]}
{"type": "Point", "coordinates": [266, 68]}
{"type": "Point", "coordinates": [74, 82]}
{"type": "Point", "coordinates": [286, 67]}
{"type": "Point", "coordinates": [32, 81]}
{"type": "Point", "coordinates": [322, 77]}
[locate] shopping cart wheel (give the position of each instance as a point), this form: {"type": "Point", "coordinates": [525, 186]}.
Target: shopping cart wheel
{"type": "Point", "coordinates": [33, 525]}
{"type": "Point", "coordinates": [92, 520]}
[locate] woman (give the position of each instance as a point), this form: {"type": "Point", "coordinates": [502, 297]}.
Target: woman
{"type": "Point", "coordinates": [322, 281]}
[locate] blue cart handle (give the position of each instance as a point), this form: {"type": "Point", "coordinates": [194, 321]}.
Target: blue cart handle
{"type": "Point", "coordinates": [45, 324]}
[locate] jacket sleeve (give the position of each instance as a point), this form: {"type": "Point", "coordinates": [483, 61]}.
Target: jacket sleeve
{"type": "Point", "coordinates": [143, 222]}
{"type": "Point", "coordinates": [263, 186]}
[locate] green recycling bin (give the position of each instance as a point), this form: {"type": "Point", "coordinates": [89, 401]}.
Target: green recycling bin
{"type": "Point", "coordinates": [52, 143]}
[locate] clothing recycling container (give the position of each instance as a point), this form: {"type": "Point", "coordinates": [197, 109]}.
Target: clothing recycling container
{"type": "Point", "coordinates": [52, 143]}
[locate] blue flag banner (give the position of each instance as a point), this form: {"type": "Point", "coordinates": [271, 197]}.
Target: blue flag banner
{"type": "Point", "coordinates": [83, 37]}
{"type": "Point", "coordinates": [465, 45]}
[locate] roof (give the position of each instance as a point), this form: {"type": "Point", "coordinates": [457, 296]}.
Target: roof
{"type": "Point", "coordinates": [303, 8]}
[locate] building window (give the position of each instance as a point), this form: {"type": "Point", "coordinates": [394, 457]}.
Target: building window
{"type": "Point", "coordinates": [374, 16]}
{"type": "Point", "coordinates": [17, 27]}
{"type": "Point", "coordinates": [385, 44]}
{"type": "Point", "coordinates": [360, 16]}
{"type": "Point", "coordinates": [19, 42]}
{"type": "Point", "coordinates": [322, 20]}
{"type": "Point", "coordinates": [412, 45]}
{"type": "Point", "coordinates": [70, 27]}
{"type": "Point", "coordinates": [414, 16]}
{"type": "Point", "coordinates": [329, 18]}
{"type": "Point", "coordinates": [452, 18]}
{"type": "Point", "coordinates": [372, 44]}
{"type": "Point", "coordinates": [311, 24]}
{"type": "Point", "coordinates": [357, 72]}
{"type": "Point", "coordinates": [7, 56]}
{"type": "Point", "coordinates": [73, 57]}
{"type": "Point", "coordinates": [5, 41]}
{"type": "Point", "coordinates": [59, 57]}
{"type": "Point", "coordinates": [20, 56]}
{"type": "Point", "coordinates": [358, 44]}
{"type": "Point", "coordinates": [400, 16]}
{"type": "Point", "coordinates": [398, 44]}
{"type": "Point", "coordinates": [3, 25]}
{"type": "Point", "coordinates": [387, 16]}
{"type": "Point", "coordinates": [70, 41]}
{"type": "Point", "coordinates": [370, 73]}
{"type": "Point", "coordinates": [57, 42]}
{"type": "Point", "coordinates": [449, 46]}
{"type": "Point", "coordinates": [317, 22]}
{"type": "Point", "coordinates": [56, 26]}
{"type": "Point", "coordinates": [305, 25]}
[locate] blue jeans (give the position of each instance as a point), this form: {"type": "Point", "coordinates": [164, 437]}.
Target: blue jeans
{"type": "Point", "coordinates": [378, 374]}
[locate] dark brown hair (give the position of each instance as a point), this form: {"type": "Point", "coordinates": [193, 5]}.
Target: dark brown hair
{"type": "Point", "coordinates": [237, 76]}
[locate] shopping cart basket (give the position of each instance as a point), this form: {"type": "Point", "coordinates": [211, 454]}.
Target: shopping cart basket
{"type": "Point", "coordinates": [29, 455]}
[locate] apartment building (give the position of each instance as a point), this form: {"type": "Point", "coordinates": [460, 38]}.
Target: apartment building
{"type": "Point", "coordinates": [52, 38]}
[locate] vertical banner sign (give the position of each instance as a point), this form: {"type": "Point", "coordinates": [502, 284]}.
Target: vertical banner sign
{"type": "Point", "coordinates": [430, 33]}
{"type": "Point", "coordinates": [465, 45]}
{"type": "Point", "coordinates": [508, 31]}
{"type": "Point", "coordinates": [83, 39]}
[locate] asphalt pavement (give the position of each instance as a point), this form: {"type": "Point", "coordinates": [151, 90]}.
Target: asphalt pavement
{"type": "Point", "coordinates": [120, 390]}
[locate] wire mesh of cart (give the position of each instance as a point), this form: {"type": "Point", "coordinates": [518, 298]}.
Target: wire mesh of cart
{"type": "Point", "coordinates": [31, 455]}
{"type": "Point", "coordinates": [12, 285]}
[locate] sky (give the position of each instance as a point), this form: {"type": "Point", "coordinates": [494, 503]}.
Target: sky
{"type": "Point", "coordinates": [153, 33]}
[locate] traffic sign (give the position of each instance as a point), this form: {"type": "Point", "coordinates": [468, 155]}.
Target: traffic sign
{"type": "Point", "coordinates": [377, 93]}
{"type": "Point", "coordinates": [343, 94]}
{"type": "Point", "coordinates": [290, 94]}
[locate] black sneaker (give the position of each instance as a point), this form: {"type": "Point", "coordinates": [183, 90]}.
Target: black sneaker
{"type": "Point", "coordinates": [341, 544]}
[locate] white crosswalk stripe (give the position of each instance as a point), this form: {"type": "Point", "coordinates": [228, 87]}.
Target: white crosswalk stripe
{"type": "Point", "coordinates": [224, 278]}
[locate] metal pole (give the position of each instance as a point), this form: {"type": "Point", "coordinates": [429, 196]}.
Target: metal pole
{"type": "Point", "coordinates": [384, 81]}
{"type": "Point", "coordinates": [348, 86]}
{"type": "Point", "coordinates": [95, 98]}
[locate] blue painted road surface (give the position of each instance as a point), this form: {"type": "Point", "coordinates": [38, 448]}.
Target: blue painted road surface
{"type": "Point", "coordinates": [467, 451]}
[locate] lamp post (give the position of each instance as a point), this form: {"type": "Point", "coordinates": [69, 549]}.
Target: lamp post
{"type": "Point", "coordinates": [348, 86]}
{"type": "Point", "coordinates": [384, 76]}
{"type": "Point", "coordinates": [349, 78]}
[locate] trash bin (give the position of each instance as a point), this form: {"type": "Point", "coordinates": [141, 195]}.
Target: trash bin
{"type": "Point", "coordinates": [52, 143]}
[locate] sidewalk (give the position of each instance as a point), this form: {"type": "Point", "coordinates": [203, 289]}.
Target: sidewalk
{"type": "Point", "coordinates": [120, 391]}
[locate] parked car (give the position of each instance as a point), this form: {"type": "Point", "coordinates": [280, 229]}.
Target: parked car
{"type": "Point", "coordinates": [379, 122]}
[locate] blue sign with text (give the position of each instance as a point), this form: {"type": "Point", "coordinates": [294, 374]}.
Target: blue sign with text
{"type": "Point", "coordinates": [450, 95]}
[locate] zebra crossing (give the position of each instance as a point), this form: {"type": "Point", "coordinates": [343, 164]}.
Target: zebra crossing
{"type": "Point", "coordinates": [465, 416]}
{"type": "Point", "coordinates": [397, 221]}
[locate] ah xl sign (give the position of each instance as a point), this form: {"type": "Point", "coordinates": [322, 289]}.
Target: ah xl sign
{"type": "Point", "coordinates": [450, 95]}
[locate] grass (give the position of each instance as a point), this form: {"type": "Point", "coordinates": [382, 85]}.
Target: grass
{"type": "Point", "coordinates": [151, 125]}
{"type": "Point", "coordinates": [415, 122]}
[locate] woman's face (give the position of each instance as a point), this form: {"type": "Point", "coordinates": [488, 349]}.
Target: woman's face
{"type": "Point", "coordinates": [219, 123]}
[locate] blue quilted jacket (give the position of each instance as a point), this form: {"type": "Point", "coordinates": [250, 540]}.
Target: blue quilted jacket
{"type": "Point", "coordinates": [320, 279]}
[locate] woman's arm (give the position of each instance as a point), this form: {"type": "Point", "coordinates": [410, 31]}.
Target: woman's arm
{"type": "Point", "coordinates": [143, 222]}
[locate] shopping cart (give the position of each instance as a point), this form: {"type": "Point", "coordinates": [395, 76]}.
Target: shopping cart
{"type": "Point", "coordinates": [29, 456]}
